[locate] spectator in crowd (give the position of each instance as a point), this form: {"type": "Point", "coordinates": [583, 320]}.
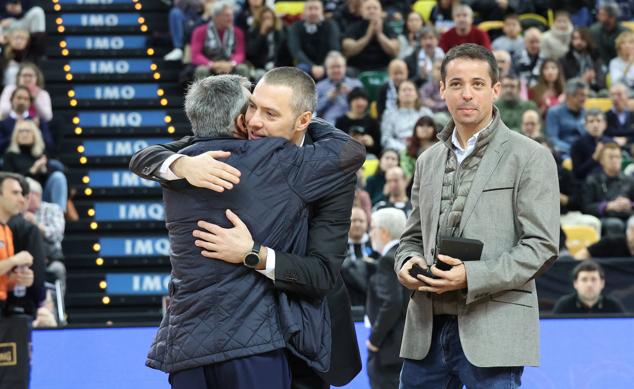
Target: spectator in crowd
{"type": "Point", "coordinates": [218, 46]}
{"type": "Point", "coordinates": [388, 93]}
{"type": "Point", "coordinates": [464, 30]}
{"type": "Point", "coordinates": [370, 44]}
{"type": "Point", "coordinates": [582, 60]}
{"type": "Point", "coordinates": [579, 11]}
{"type": "Point", "coordinates": [622, 66]}
{"type": "Point", "coordinates": [421, 61]}
{"type": "Point", "coordinates": [493, 9]}
{"type": "Point", "coordinates": [512, 41]}
{"type": "Point", "coordinates": [549, 89]}
{"type": "Point", "coordinates": [585, 151]}
{"type": "Point", "coordinates": [348, 14]}
{"type": "Point", "coordinates": [620, 119]}
{"type": "Point", "coordinates": [565, 122]}
{"type": "Point", "coordinates": [49, 218]}
{"type": "Point", "coordinates": [332, 91]}
{"type": "Point", "coordinates": [409, 40]}
{"type": "Point", "coordinates": [395, 192]}
{"type": "Point", "coordinates": [387, 302]}
{"type": "Point", "coordinates": [355, 269]}
{"type": "Point", "coordinates": [359, 124]}
{"type": "Point", "coordinates": [31, 77]}
{"type": "Point", "coordinates": [608, 193]}
{"type": "Point", "coordinates": [430, 91]}
{"type": "Point", "coordinates": [184, 16]}
{"type": "Point", "coordinates": [376, 183]}
{"type": "Point", "coordinates": [441, 15]}
{"type": "Point", "coordinates": [606, 30]}
{"type": "Point", "coordinates": [531, 124]}
{"type": "Point", "coordinates": [311, 39]}
{"type": "Point", "coordinates": [626, 8]}
{"type": "Point", "coordinates": [397, 123]}
{"type": "Point", "coordinates": [15, 51]}
{"type": "Point", "coordinates": [22, 14]}
{"type": "Point", "coordinates": [504, 60]}
{"type": "Point", "coordinates": [556, 41]}
{"type": "Point", "coordinates": [423, 137]}
{"type": "Point", "coordinates": [510, 105]}
{"type": "Point", "coordinates": [246, 16]}
{"type": "Point", "coordinates": [26, 156]}
{"type": "Point", "coordinates": [361, 197]}
{"type": "Point", "coordinates": [617, 246]}
{"type": "Point", "coordinates": [588, 279]}
{"type": "Point", "coordinates": [265, 41]}
{"type": "Point", "coordinates": [528, 62]}
{"type": "Point", "coordinates": [21, 102]}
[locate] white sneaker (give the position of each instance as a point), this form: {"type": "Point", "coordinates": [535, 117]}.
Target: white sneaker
{"type": "Point", "coordinates": [174, 55]}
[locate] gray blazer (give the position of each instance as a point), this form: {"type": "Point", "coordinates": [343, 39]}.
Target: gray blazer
{"type": "Point", "coordinates": [513, 207]}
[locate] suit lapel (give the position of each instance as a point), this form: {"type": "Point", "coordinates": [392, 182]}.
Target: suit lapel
{"type": "Point", "coordinates": [489, 162]}
{"type": "Point", "coordinates": [440, 160]}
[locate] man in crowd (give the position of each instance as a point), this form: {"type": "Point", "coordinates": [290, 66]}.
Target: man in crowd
{"type": "Point", "coordinates": [606, 29]}
{"type": "Point", "coordinates": [311, 39]}
{"type": "Point", "coordinates": [395, 194]}
{"type": "Point", "coordinates": [358, 265]}
{"type": "Point", "coordinates": [370, 44]}
{"type": "Point", "coordinates": [397, 72]}
{"type": "Point", "coordinates": [565, 121]}
{"type": "Point", "coordinates": [585, 150]}
{"type": "Point", "coordinates": [588, 279]}
{"type": "Point", "coordinates": [510, 105]}
{"type": "Point", "coordinates": [273, 112]}
{"type": "Point", "coordinates": [620, 120]}
{"type": "Point", "coordinates": [332, 92]}
{"type": "Point", "coordinates": [483, 182]}
{"type": "Point", "coordinates": [618, 246]}
{"type": "Point", "coordinates": [528, 61]}
{"type": "Point", "coordinates": [531, 125]}
{"type": "Point", "coordinates": [21, 102]}
{"type": "Point", "coordinates": [464, 30]}
{"type": "Point", "coordinates": [387, 302]}
{"type": "Point", "coordinates": [512, 41]}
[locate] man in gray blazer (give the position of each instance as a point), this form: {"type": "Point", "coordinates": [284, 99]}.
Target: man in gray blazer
{"type": "Point", "coordinates": [476, 324]}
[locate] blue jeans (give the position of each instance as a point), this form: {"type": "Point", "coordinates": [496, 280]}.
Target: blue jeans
{"type": "Point", "coordinates": [177, 20]}
{"type": "Point", "coordinates": [446, 366]}
{"type": "Point", "coordinates": [56, 189]}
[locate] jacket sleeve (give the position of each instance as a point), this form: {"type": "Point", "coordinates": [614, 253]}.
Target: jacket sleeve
{"type": "Point", "coordinates": [589, 203]}
{"type": "Point", "coordinates": [390, 293]}
{"type": "Point", "coordinates": [411, 244]}
{"type": "Point", "coordinates": [197, 44]}
{"type": "Point", "coordinates": [582, 164]}
{"type": "Point", "coordinates": [330, 161]}
{"type": "Point", "coordinates": [147, 162]}
{"type": "Point", "coordinates": [537, 214]}
{"type": "Point", "coordinates": [295, 46]}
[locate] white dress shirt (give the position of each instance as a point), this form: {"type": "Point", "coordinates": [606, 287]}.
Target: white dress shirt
{"type": "Point", "coordinates": [461, 153]}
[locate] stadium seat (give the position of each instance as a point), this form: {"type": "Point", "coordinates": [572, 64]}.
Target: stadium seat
{"type": "Point", "coordinates": [491, 25]}
{"type": "Point", "coordinates": [372, 81]}
{"type": "Point", "coordinates": [534, 20]}
{"type": "Point", "coordinates": [374, 111]}
{"type": "Point", "coordinates": [424, 7]}
{"type": "Point", "coordinates": [629, 24]}
{"type": "Point", "coordinates": [579, 237]}
{"type": "Point", "coordinates": [370, 167]}
{"type": "Point", "coordinates": [604, 104]}
{"type": "Point", "coordinates": [289, 7]}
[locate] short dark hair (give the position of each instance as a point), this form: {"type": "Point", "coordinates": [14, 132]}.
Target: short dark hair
{"type": "Point", "coordinates": [474, 52]}
{"type": "Point", "coordinates": [10, 176]}
{"type": "Point", "coordinates": [512, 16]}
{"type": "Point", "coordinates": [590, 266]}
{"type": "Point", "coordinates": [358, 93]}
{"type": "Point", "coordinates": [592, 112]}
{"type": "Point", "coordinates": [19, 88]}
{"type": "Point", "coordinates": [303, 86]}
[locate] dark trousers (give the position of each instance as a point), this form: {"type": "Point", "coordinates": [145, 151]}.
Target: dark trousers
{"type": "Point", "coordinates": [303, 377]}
{"type": "Point", "coordinates": [382, 376]}
{"type": "Point", "coordinates": [263, 371]}
{"type": "Point", "coordinates": [446, 366]}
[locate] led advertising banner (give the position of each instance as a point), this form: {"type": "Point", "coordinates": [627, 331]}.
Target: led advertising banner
{"type": "Point", "coordinates": [137, 284]}
{"type": "Point", "coordinates": [105, 42]}
{"type": "Point", "coordinates": [110, 66]}
{"type": "Point", "coordinates": [122, 119]}
{"type": "Point", "coordinates": [137, 246]}
{"type": "Point", "coordinates": [119, 147]}
{"type": "Point", "coordinates": [101, 19]}
{"type": "Point", "coordinates": [120, 178]}
{"type": "Point", "coordinates": [129, 211]}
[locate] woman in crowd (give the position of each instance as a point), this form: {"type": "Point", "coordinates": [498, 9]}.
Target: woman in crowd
{"type": "Point", "coordinates": [583, 61]}
{"type": "Point", "coordinates": [376, 182]}
{"type": "Point", "coordinates": [423, 137]}
{"type": "Point", "coordinates": [247, 14]}
{"type": "Point", "coordinates": [409, 40]}
{"type": "Point", "coordinates": [15, 51]}
{"type": "Point", "coordinates": [31, 77]}
{"type": "Point", "coordinates": [25, 156]}
{"type": "Point", "coordinates": [358, 123]}
{"type": "Point", "coordinates": [550, 86]}
{"type": "Point", "coordinates": [622, 66]}
{"type": "Point", "coordinates": [397, 123]}
{"type": "Point", "coordinates": [265, 39]}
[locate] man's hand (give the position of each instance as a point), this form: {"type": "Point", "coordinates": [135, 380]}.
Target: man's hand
{"type": "Point", "coordinates": [597, 151]}
{"type": "Point", "coordinates": [371, 347]}
{"type": "Point", "coordinates": [227, 244]}
{"type": "Point", "coordinates": [620, 204]}
{"type": "Point", "coordinates": [318, 71]}
{"type": "Point", "coordinates": [22, 276]}
{"type": "Point", "coordinates": [454, 279]}
{"type": "Point", "coordinates": [23, 258]}
{"type": "Point", "coordinates": [204, 171]}
{"type": "Point", "coordinates": [406, 279]}
{"type": "Point", "coordinates": [620, 140]}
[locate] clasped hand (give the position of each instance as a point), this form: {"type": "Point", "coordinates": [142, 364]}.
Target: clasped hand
{"type": "Point", "coordinates": [446, 281]}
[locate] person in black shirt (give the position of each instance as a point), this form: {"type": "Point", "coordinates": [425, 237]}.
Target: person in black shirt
{"type": "Point", "coordinates": [588, 280]}
{"type": "Point", "coordinates": [359, 124]}
{"type": "Point", "coordinates": [585, 150]}
{"type": "Point", "coordinates": [348, 14]}
{"type": "Point", "coordinates": [370, 43]}
{"type": "Point", "coordinates": [620, 119]}
{"type": "Point", "coordinates": [618, 246]}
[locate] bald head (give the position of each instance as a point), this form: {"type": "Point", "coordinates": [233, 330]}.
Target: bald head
{"type": "Point", "coordinates": [531, 124]}
{"type": "Point", "coordinates": [397, 71]}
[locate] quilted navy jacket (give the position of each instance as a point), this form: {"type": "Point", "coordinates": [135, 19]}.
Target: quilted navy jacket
{"type": "Point", "coordinates": [220, 311]}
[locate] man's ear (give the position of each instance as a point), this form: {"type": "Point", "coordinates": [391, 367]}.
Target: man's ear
{"type": "Point", "coordinates": [303, 120]}
{"type": "Point", "coordinates": [442, 90]}
{"type": "Point", "coordinates": [241, 127]}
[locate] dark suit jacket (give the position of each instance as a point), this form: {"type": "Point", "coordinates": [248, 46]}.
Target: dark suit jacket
{"type": "Point", "coordinates": [317, 274]}
{"type": "Point", "coordinates": [386, 308]}
{"type": "Point", "coordinates": [614, 127]}
{"type": "Point", "coordinates": [581, 153]}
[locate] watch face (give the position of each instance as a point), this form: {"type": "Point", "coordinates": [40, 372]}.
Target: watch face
{"type": "Point", "coordinates": [251, 260]}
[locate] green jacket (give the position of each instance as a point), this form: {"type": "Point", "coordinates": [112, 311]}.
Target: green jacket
{"type": "Point", "coordinates": [511, 112]}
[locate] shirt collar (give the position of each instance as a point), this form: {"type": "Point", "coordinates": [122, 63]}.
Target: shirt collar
{"type": "Point", "coordinates": [301, 144]}
{"type": "Point", "coordinates": [388, 246]}
{"type": "Point", "coordinates": [471, 141]}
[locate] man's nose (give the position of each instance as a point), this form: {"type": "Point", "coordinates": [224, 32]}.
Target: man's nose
{"type": "Point", "coordinates": [467, 93]}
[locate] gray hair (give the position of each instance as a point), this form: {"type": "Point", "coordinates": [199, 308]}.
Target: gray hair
{"type": "Point", "coordinates": [303, 87]}
{"type": "Point", "coordinates": [594, 112]}
{"type": "Point", "coordinates": [390, 219]}
{"type": "Point", "coordinates": [332, 55]}
{"type": "Point", "coordinates": [34, 186]}
{"type": "Point", "coordinates": [611, 8]}
{"type": "Point", "coordinates": [462, 7]}
{"type": "Point", "coordinates": [221, 5]}
{"type": "Point", "coordinates": [574, 84]}
{"type": "Point", "coordinates": [212, 104]}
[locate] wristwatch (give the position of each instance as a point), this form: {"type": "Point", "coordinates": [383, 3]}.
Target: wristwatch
{"type": "Point", "coordinates": [252, 259]}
